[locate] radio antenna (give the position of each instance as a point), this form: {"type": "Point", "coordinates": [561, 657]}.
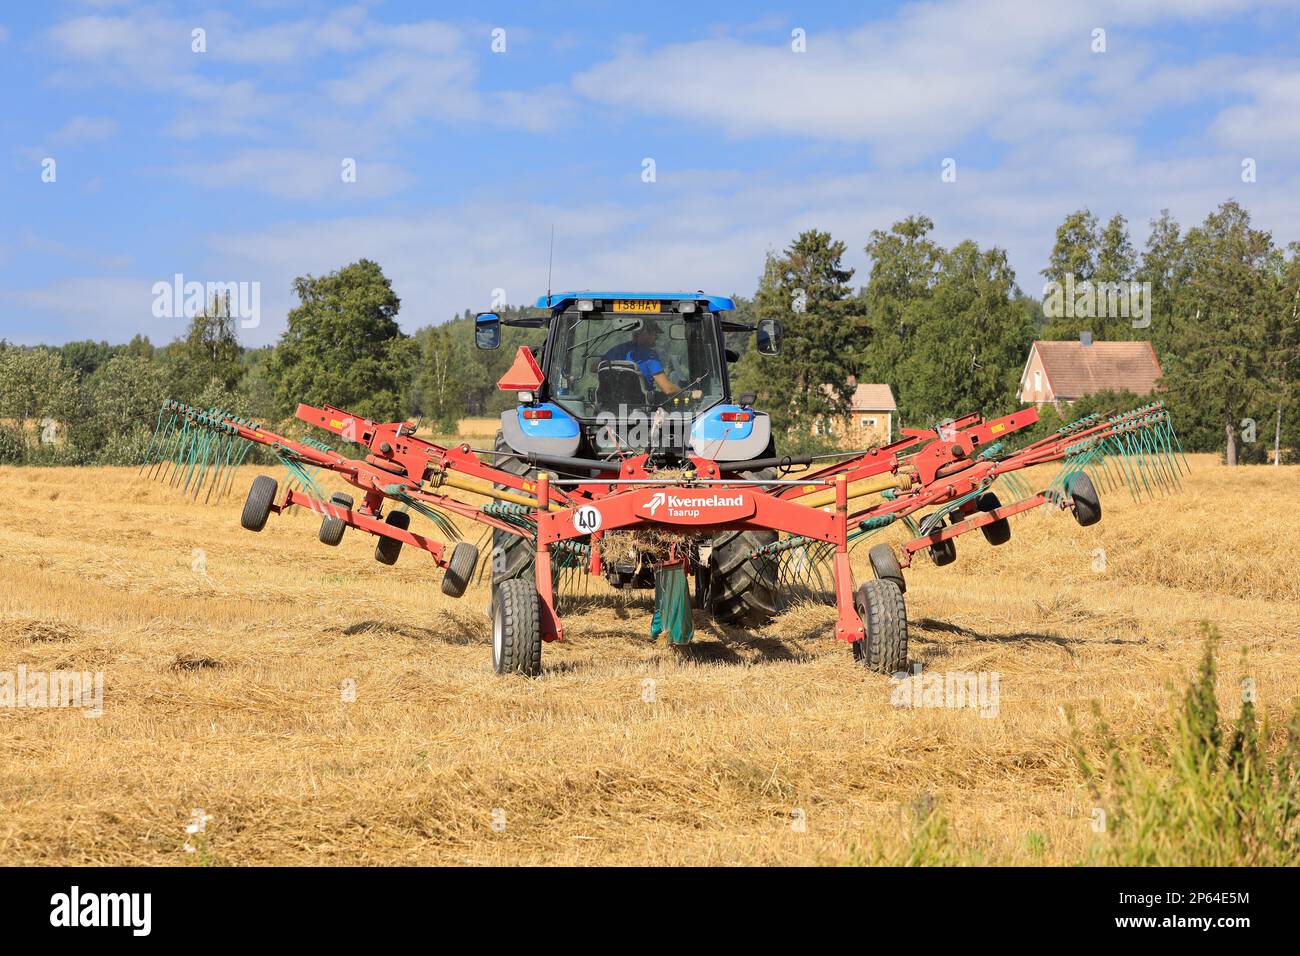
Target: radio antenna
{"type": "Point", "coordinates": [550, 261]}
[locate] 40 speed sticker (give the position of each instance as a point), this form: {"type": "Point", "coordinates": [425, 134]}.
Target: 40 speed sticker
{"type": "Point", "coordinates": [587, 519]}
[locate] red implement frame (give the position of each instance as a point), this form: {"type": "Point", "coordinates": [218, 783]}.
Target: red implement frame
{"type": "Point", "coordinates": [929, 469]}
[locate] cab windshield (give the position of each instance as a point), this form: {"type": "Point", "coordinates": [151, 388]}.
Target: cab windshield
{"type": "Point", "coordinates": [607, 363]}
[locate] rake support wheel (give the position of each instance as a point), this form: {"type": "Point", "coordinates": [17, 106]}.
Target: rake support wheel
{"type": "Point", "coordinates": [386, 549]}
{"type": "Point", "coordinates": [257, 506]}
{"type": "Point", "coordinates": [460, 569]}
{"type": "Point", "coordinates": [996, 532]}
{"type": "Point", "coordinates": [884, 564]}
{"type": "Point", "coordinates": [516, 628]}
{"type": "Point", "coordinates": [884, 617]}
{"type": "Point", "coordinates": [1085, 505]}
{"type": "Point", "coordinates": [945, 552]}
{"type": "Point", "coordinates": [331, 528]}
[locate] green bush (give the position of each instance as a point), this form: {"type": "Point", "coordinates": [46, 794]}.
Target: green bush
{"type": "Point", "coordinates": [13, 445]}
{"type": "Point", "coordinates": [1199, 797]}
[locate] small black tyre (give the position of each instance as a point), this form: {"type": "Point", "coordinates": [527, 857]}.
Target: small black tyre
{"type": "Point", "coordinates": [516, 628]}
{"type": "Point", "coordinates": [331, 528]}
{"type": "Point", "coordinates": [257, 506]}
{"type": "Point", "coordinates": [884, 564]}
{"type": "Point", "coordinates": [386, 549]}
{"type": "Point", "coordinates": [1085, 505]}
{"type": "Point", "coordinates": [996, 532]}
{"type": "Point", "coordinates": [460, 569]}
{"type": "Point", "coordinates": [884, 617]}
{"type": "Point", "coordinates": [945, 552]}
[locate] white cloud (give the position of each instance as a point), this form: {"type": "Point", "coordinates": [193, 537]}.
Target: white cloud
{"type": "Point", "coordinates": [909, 86]}
{"type": "Point", "coordinates": [52, 247]}
{"type": "Point", "coordinates": [81, 307]}
{"type": "Point", "coordinates": [381, 79]}
{"type": "Point", "coordinates": [84, 129]}
{"type": "Point", "coordinates": [1271, 121]}
{"type": "Point", "coordinates": [297, 174]}
{"type": "Point", "coordinates": [705, 231]}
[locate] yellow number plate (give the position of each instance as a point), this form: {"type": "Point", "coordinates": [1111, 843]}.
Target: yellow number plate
{"type": "Point", "coordinates": [636, 305]}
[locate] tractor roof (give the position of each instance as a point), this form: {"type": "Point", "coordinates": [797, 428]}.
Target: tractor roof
{"type": "Point", "coordinates": [716, 303]}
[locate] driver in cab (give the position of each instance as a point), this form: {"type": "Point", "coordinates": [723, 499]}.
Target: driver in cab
{"type": "Point", "coordinates": [641, 350]}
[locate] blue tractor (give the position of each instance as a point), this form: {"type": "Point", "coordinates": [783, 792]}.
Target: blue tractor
{"type": "Point", "coordinates": [640, 373]}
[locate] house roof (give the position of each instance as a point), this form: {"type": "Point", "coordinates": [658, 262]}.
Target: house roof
{"type": "Point", "coordinates": [873, 397]}
{"type": "Point", "coordinates": [1074, 370]}
{"type": "Point", "coordinates": [868, 397]}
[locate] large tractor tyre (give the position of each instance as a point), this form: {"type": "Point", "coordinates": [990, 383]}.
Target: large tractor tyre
{"type": "Point", "coordinates": [257, 507]}
{"type": "Point", "coordinates": [996, 532]}
{"type": "Point", "coordinates": [512, 556]}
{"type": "Point", "coordinates": [386, 549]}
{"type": "Point", "coordinates": [460, 569]}
{"type": "Point", "coordinates": [885, 566]}
{"type": "Point", "coordinates": [743, 588]}
{"type": "Point", "coordinates": [331, 528]}
{"type": "Point", "coordinates": [516, 628]}
{"type": "Point", "coordinates": [1086, 505]}
{"type": "Point", "coordinates": [884, 617]}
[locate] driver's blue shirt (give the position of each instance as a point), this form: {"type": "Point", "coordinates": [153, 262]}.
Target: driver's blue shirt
{"type": "Point", "coordinates": [646, 359]}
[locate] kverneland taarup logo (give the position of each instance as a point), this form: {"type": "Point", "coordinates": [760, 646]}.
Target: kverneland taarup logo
{"type": "Point", "coordinates": [691, 506]}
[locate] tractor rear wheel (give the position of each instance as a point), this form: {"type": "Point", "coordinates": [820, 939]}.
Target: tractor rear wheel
{"type": "Point", "coordinates": [884, 617]}
{"type": "Point", "coordinates": [331, 528]}
{"type": "Point", "coordinates": [516, 628]}
{"type": "Point", "coordinates": [386, 549]}
{"type": "Point", "coordinates": [884, 564]}
{"type": "Point", "coordinates": [460, 569]}
{"type": "Point", "coordinates": [512, 555]}
{"type": "Point", "coordinates": [996, 532]}
{"type": "Point", "coordinates": [742, 587]}
{"type": "Point", "coordinates": [1086, 505]}
{"type": "Point", "coordinates": [257, 506]}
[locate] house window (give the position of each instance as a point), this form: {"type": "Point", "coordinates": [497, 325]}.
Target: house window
{"type": "Point", "coordinates": [868, 421]}
{"type": "Point", "coordinates": [1038, 383]}
{"type": "Point", "coordinates": [821, 426]}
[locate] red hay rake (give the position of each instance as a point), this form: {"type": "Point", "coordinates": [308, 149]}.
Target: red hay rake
{"type": "Point", "coordinates": [939, 482]}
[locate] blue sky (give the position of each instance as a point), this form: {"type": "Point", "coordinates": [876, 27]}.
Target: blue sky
{"type": "Point", "coordinates": [225, 165]}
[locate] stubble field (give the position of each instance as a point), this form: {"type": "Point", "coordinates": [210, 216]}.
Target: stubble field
{"type": "Point", "coordinates": [310, 705]}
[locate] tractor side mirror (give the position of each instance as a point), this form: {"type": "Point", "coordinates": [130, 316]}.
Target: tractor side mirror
{"type": "Point", "coordinates": [769, 336]}
{"type": "Point", "coordinates": [487, 330]}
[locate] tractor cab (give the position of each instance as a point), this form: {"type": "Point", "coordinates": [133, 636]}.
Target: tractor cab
{"type": "Point", "coordinates": [624, 373]}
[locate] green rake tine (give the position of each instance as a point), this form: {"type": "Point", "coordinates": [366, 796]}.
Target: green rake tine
{"type": "Point", "coordinates": [1107, 468]}
{"type": "Point", "coordinates": [164, 446]}
{"type": "Point", "coordinates": [1156, 455]}
{"type": "Point", "coordinates": [183, 452]}
{"type": "Point", "coordinates": [201, 465]}
{"type": "Point", "coordinates": [168, 460]}
{"type": "Point", "coordinates": [1144, 468]}
{"type": "Point", "coordinates": [443, 523]}
{"type": "Point", "coordinates": [157, 429]}
{"type": "Point", "coordinates": [199, 472]}
{"type": "Point", "coordinates": [1125, 466]}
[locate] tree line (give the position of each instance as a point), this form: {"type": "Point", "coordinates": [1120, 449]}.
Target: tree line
{"type": "Point", "coordinates": [948, 328]}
